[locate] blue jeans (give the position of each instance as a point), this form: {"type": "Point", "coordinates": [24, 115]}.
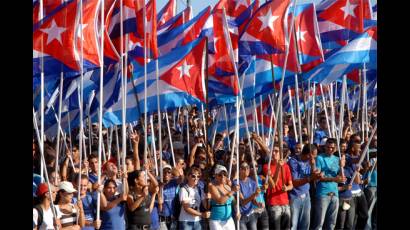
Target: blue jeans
{"type": "Point", "coordinates": [262, 220]}
{"type": "Point", "coordinates": [248, 222]}
{"type": "Point", "coordinates": [279, 217]}
{"type": "Point", "coordinates": [190, 225]}
{"type": "Point", "coordinates": [326, 212]}
{"type": "Point", "coordinates": [300, 209]}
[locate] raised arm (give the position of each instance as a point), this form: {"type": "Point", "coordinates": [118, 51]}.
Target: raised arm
{"type": "Point", "coordinates": [135, 142]}
{"type": "Point", "coordinates": [192, 155]}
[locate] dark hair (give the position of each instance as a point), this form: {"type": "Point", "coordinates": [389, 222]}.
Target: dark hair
{"type": "Point", "coordinates": [132, 176]}
{"type": "Point", "coordinates": [192, 169]}
{"type": "Point", "coordinates": [321, 119]}
{"type": "Point", "coordinates": [83, 176]}
{"type": "Point", "coordinates": [129, 157]}
{"type": "Point", "coordinates": [107, 182]}
{"type": "Point", "coordinates": [305, 137]}
{"type": "Point", "coordinates": [331, 141]}
{"type": "Point", "coordinates": [92, 155]}
{"type": "Point", "coordinates": [308, 149]}
{"type": "Point", "coordinates": [343, 141]}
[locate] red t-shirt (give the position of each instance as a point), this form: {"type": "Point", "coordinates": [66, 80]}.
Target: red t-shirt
{"type": "Point", "coordinates": [275, 195]}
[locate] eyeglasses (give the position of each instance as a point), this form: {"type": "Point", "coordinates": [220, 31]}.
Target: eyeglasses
{"type": "Point", "coordinates": [167, 171]}
{"type": "Point", "coordinates": [195, 176]}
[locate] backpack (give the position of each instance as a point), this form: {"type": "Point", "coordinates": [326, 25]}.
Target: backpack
{"type": "Point", "coordinates": [40, 215]}
{"type": "Point", "coordinates": [177, 204]}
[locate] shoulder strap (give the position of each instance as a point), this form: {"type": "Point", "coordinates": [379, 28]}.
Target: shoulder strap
{"type": "Point", "coordinates": [39, 216]}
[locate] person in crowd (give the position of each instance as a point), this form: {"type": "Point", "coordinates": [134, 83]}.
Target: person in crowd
{"type": "Point", "coordinates": [168, 191]}
{"type": "Point", "coordinates": [280, 182]}
{"type": "Point", "coordinates": [72, 215]}
{"type": "Point", "coordinates": [113, 214]}
{"type": "Point", "coordinates": [190, 197]}
{"type": "Point", "coordinates": [302, 168]}
{"type": "Point", "coordinates": [141, 198]}
{"type": "Point", "coordinates": [43, 215]}
{"type": "Point", "coordinates": [327, 200]}
{"type": "Point", "coordinates": [221, 200]}
{"type": "Point", "coordinates": [89, 202]}
{"type": "Point", "coordinates": [248, 193]}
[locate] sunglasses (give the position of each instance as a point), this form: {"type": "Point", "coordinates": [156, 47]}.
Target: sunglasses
{"type": "Point", "coordinates": [223, 175]}
{"type": "Point", "coordinates": [167, 171]}
{"type": "Point", "coordinates": [195, 176]}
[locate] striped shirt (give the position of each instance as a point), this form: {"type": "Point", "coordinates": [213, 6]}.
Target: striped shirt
{"type": "Point", "coordinates": [68, 218]}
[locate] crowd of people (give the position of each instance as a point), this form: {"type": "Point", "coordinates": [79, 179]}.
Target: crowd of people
{"type": "Point", "coordinates": [194, 183]}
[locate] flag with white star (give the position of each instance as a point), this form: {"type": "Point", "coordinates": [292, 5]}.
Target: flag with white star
{"type": "Point", "coordinates": [167, 12]}
{"type": "Point", "coordinates": [57, 37]}
{"type": "Point", "coordinates": [181, 82]}
{"type": "Point", "coordinates": [265, 33]}
{"type": "Point", "coordinates": [308, 42]}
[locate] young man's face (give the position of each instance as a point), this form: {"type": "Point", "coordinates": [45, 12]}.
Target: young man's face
{"type": "Point", "coordinates": [244, 170]}
{"type": "Point", "coordinates": [330, 148]}
{"type": "Point", "coordinates": [323, 124]}
{"type": "Point", "coordinates": [130, 165]}
{"type": "Point", "coordinates": [276, 153]}
{"type": "Point", "coordinates": [343, 147]}
{"type": "Point", "coordinates": [94, 165]}
{"type": "Point", "coordinates": [298, 149]}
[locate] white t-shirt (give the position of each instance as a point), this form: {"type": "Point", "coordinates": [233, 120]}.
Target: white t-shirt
{"type": "Point", "coordinates": [194, 200]}
{"type": "Point", "coordinates": [47, 219]}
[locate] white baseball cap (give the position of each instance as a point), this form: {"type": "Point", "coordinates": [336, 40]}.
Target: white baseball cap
{"type": "Point", "coordinates": [220, 168]}
{"type": "Point", "coordinates": [167, 167]}
{"type": "Point", "coordinates": [67, 186]}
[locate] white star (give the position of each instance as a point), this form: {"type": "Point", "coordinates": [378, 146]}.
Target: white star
{"type": "Point", "coordinates": [184, 69]}
{"type": "Point", "coordinates": [267, 21]}
{"type": "Point", "coordinates": [241, 3]}
{"type": "Point", "coordinates": [163, 17]}
{"type": "Point", "coordinates": [349, 9]}
{"type": "Point", "coordinates": [301, 35]}
{"type": "Point", "coordinates": [53, 32]}
{"type": "Point", "coordinates": [79, 30]}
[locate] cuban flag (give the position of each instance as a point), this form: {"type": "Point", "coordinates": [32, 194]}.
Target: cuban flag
{"type": "Point", "coordinates": [183, 34]}
{"type": "Point", "coordinates": [361, 50]}
{"type": "Point", "coordinates": [181, 82]}
{"type": "Point", "coordinates": [253, 115]}
{"type": "Point", "coordinates": [70, 115]}
{"type": "Point", "coordinates": [56, 38]}
{"type": "Point", "coordinates": [167, 12]}
{"type": "Point", "coordinates": [222, 80]}
{"type": "Point", "coordinates": [265, 33]}
{"type": "Point", "coordinates": [308, 42]}
{"type": "Point", "coordinates": [177, 20]}
{"type": "Point", "coordinates": [340, 21]}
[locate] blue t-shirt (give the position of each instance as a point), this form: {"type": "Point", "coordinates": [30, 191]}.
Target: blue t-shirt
{"type": "Point", "coordinates": [290, 141]}
{"type": "Point", "coordinates": [373, 179]}
{"type": "Point", "coordinates": [248, 187]}
{"type": "Point", "coordinates": [93, 178]}
{"type": "Point", "coordinates": [348, 171]}
{"type": "Point", "coordinates": [114, 218]}
{"type": "Point", "coordinates": [169, 194]}
{"type": "Point", "coordinates": [319, 135]}
{"type": "Point", "coordinates": [155, 217]}
{"type": "Point", "coordinates": [261, 197]}
{"type": "Point", "coordinates": [89, 206]}
{"type": "Point", "coordinates": [329, 165]}
{"type": "Point", "coordinates": [299, 169]}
